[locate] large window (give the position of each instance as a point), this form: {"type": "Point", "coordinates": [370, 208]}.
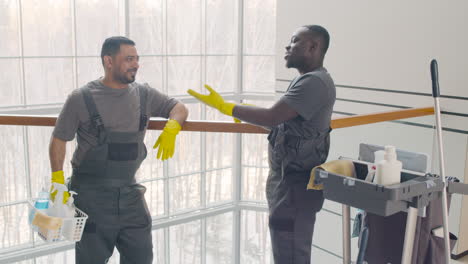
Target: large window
{"type": "Point", "coordinates": [51, 47]}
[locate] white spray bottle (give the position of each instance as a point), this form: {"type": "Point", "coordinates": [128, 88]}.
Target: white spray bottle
{"type": "Point", "coordinates": [71, 205]}
{"type": "Point", "coordinates": [59, 209]}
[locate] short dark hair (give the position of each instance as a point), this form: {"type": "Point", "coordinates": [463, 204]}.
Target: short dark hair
{"type": "Point", "coordinates": [322, 33]}
{"type": "Point", "coordinates": [111, 46]}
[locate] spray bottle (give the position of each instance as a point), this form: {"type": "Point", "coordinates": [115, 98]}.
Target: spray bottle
{"type": "Point", "coordinates": [71, 205]}
{"type": "Point", "coordinates": [59, 209]}
{"type": "Point", "coordinates": [68, 229]}
{"type": "Point", "coordinates": [371, 168]}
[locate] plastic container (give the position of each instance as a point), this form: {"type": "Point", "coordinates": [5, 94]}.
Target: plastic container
{"type": "Point", "coordinates": [388, 170]}
{"type": "Point", "coordinates": [41, 204]}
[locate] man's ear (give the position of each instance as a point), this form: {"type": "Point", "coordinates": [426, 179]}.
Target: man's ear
{"type": "Point", "coordinates": [107, 61]}
{"type": "Point", "coordinates": [314, 45]}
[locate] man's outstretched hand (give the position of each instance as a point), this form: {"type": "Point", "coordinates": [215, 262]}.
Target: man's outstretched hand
{"type": "Point", "coordinates": [214, 100]}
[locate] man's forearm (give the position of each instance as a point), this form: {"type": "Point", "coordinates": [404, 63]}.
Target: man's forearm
{"type": "Point", "coordinates": [254, 115]}
{"type": "Point", "coordinates": [179, 113]}
{"type": "Point", "coordinates": [57, 149]}
{"type": "Point", "coordinates": [267, 117]}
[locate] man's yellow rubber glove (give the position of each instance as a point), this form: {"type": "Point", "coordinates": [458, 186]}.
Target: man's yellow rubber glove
{"type": "Point", "coordinates": [214, 100]}
{"type": "Point", "coordinates": [57, 176]}
{"type": "Point", "coordinates": [166, 140]}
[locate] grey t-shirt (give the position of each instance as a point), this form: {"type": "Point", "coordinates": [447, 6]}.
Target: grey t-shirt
{"type": "Point", "coordinates": [312, 96]}
{"type": "Point", "coordinates": [119, 110]}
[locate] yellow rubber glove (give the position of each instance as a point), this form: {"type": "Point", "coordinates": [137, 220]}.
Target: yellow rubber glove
{"type": "Point", "coordinates": [214, 100]}
{"type": "Point", "coordinates": [57, 176]}
{"type": "Point", "coordinates": [166, 140]}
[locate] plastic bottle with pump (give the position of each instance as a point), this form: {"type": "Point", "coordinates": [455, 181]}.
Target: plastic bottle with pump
{"type": "Point", "coordinates": [388, 170]}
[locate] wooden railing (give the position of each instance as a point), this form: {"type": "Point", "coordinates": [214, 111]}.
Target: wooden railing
{"type": "Point", "coordinates": [230, 127]}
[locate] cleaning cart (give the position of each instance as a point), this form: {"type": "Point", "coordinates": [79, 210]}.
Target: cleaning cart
{"type": "Point", "coordinates": [414, 201]}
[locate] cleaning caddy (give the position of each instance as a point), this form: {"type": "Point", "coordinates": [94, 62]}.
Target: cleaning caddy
{"type": "Point", "coordinates": [57, 221]}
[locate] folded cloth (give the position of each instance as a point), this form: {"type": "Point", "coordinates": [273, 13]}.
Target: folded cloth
{"type": "Point", "coordinates": [46, 222]}
{"type": "Point", "coordinates": [342, 167]}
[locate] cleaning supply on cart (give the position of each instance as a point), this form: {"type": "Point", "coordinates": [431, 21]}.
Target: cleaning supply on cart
{"type": "Point", "coordinates": [343, 167]}
{"type": "Point", "coordinates": [41, 204]}
{"type": "Point", "coordinates": [378, 156]}
{"type": "Point", "coordinates": [388, 170]}
{"type": "Point", "coordinates": [58, 208]}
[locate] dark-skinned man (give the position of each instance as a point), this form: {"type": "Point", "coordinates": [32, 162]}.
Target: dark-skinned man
{"type": "Point", "coordinates": [298, 141]}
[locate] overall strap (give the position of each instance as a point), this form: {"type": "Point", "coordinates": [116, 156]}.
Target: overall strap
{"type": "Point", "coordinates": [143, 91]}
{"type": "Point", "coordinates": [94, 116]}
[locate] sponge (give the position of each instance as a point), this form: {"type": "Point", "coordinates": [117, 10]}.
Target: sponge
{"type": "Point", "coordinates": [46, 222]}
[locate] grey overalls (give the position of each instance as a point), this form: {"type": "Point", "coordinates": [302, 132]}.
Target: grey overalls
{"type": "Point", "coordinates": [108, 193]}
{"type": "Point", "coordinates": [294, 149]}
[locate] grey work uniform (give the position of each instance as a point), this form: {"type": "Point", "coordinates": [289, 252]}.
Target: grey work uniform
{"type": "Point", "coordinates": [104, 173]}
{"type": "Point", "coordinates": [295, 147]}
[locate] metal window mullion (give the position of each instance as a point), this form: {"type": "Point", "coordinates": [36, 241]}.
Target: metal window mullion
{"type": "Point", "coordinates": [166, 210]}
{"type": "Point", "coordinates": [75, 45]}
{"type": "Point", "coordinates": [203, 147]}
{"type": "Point", "coordinates": [24, 101]}
{"type": "Point", "coordinates": [127, 18]}
{"type": "Point", "coordinates": [239, 87]}
{"type": "Point", "coordinates": [122, 16]}
{"type": "Point", "coordinates": [23, 94]}
{"type": "Point", "coordinates": [165, 75]}
{"type": "Point", "coordinates": [203, 197]}
{"type": "Point", "coordinates": [237, 166]}
{"type": "Point", "coordinates": [167, 250]}
{"type": "Point", "coordinates": [27, 169]}
{"type": "Point", "coordinates": [97, 56]}
{"type": "Point", "coordinates": [21, 39]}
{"type": "Point", "coordinates": [237, 174]}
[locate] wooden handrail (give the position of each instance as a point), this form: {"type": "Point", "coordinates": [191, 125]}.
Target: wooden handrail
{"type": "Point", "coordinates": [230, 127]}
{"type": "Point", "coordinates": [365, 119]}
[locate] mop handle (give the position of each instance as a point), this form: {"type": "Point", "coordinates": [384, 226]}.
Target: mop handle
{"type": "Point", "coordinates": [435, 79]}
{"type": "Point", "coordinates": [436, 94]}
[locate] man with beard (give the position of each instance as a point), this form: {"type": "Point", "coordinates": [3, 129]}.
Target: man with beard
{"type": "Point", "coordinates": [109, 117]}
{"type": "Point", "coordinates": [299, 140]}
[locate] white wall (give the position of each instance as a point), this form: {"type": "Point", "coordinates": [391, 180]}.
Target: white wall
{"type": "Point", "coordinates": [387, 46]}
